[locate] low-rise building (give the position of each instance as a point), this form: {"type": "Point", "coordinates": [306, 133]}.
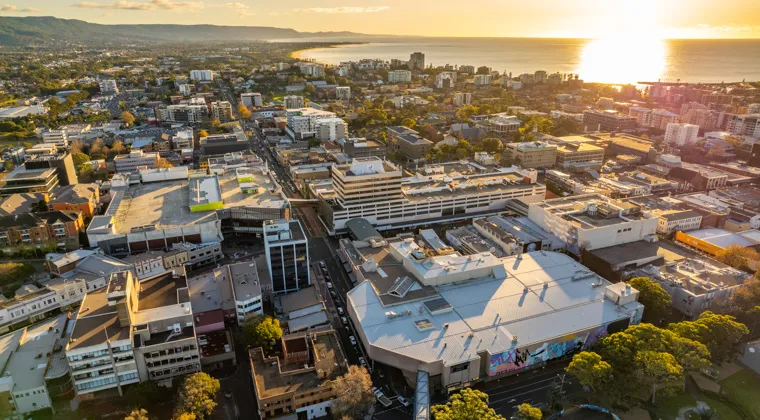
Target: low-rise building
{"type": "Point", "coordinates": [608, 120]}
{"type": "Point", "coordinates": [222, 111]}
{"type": "Point", "coordinates": [399, 76]}
{"type": "Point", "coordinates": [408, 142]}
{"type": "Point", "coordinates": [532, 154]}
{"type": "Point", "coordinates": [593, 221]}
{"type": "Point", "coordinates": [83, 198]}
{"type": "Point", "coordinates": [302, 379]}
{"type": "Point", "coordinates": [35, 229]}
{"type": "Point", "coordinates": [361, 147]}
{"type": "Point", "coordinates": [134, 160]}
{"type": "Point", "coordinates": [23, 203]}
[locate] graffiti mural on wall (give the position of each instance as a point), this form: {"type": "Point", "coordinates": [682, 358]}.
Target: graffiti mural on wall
{"type": "Point", "coordinates": [516, 358]}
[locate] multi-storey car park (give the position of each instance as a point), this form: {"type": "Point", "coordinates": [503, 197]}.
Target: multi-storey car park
{"type": "Point", "coordinates": [377, 191]}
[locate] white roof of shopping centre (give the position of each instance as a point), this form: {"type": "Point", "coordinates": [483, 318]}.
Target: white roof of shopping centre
{"type": "Point", "coordinates": [543, 295]}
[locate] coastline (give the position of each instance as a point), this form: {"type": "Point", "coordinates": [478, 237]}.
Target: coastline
{"type": "Point", "coordinates": [296, 55]}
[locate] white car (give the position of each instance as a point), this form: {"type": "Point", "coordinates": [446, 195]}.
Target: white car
{"type": "Point", "coordinates": [345, 321]}
{"type": "Point", "coordinates": [352, 340]}
{"type": "Point", "coordinates": [403, 401]}
{"type": "Point", "coordinates": [329, 285]}
{"type": "Point", "coordinates": [340, 310]}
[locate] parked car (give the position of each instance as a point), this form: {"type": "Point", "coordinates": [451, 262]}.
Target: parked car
{"type": "Point", "coordinates": [381, 397]}
{"type": "Point", "coordinates": [332, 293]}
{"type": "Point", "coordinates": [403, 401]}
{"type": "Point", "coordinates": [363, 362]}
{"type": "Point", "coordinates": [345, 321]}
{"type": "Point", "coordinates": [340, 310]}
{"type": "Point", "coordinates": [352, 339]}
{"type": "Point", "coordinates": [329, 285]}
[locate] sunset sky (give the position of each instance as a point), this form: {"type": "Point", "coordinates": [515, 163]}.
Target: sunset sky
{"type": "Point", "coordinates": [492, 18]}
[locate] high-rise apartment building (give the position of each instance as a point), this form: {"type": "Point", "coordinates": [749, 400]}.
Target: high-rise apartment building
{"type": "Point", "coordinates": [417, 61]}
{"type": "Point", "coordinates": [462, 98]}
{"type": "Point", "coordinates": [222, 111]}
{"type": "Point", "coordinates": [251, 99]}
{"type": "Point", "coordinates": [343, 93]}
{"type": "Point", "coordinates": [108, 86]}
{"type": "Point", "coordinates": [293, 102]}
{"type": "Point", "coordinates": [680, 134]}
{"type": "Point", "coordinates": [399, 76]}
{"type": "Point", "coordinates": [201, 75]}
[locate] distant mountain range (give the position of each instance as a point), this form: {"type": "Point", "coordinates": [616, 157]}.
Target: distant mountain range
{"type": "Point", "coordinates": [35, 30]}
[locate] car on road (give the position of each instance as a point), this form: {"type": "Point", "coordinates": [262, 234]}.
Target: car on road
{"type": "Point", "coordinates": [352, 339]}
{"type": "Point", "coordinates": [340, 310]}
{"type": "Point", "coordinates": [344, 320]}
{"type": "Point", "coordinates": [329, 285]}
{"type": "Point", "coordinates": [381, 397]}
{"type": "Point", "coordinates": [333, 294]}
{"type": "Point", "coordinates": [403, 401]}
{"type": "Point", "coordinates": [363, 362]}
{"type": "Point", "coordinates": [228, 394]}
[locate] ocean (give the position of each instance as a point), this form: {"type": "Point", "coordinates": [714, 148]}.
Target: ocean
{"type": "Point", "coordinates": [603, 60]}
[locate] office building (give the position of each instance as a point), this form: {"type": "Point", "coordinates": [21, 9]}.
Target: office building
{"type": "Point", "coordinates": [135, 160]}
{"type": "Point", "coordinates": [658, 118]}
{"type": "Point", "coordinates": [417, 61]}
{"type": "Point", "coordinates": [343, 93]}
{"type": "Point", "coordinates": [592, 221]}
{"type": "Point", "coordinates": [22, 180]}
{"type": "Point", "coordinates": [301, 380]}
{"type": "Point", "coordinates": [222, 111]}
{"type": "Point", "coordinates": [185, 89]}
{"type": "Point", "coordinates": [251, 99]}
{"type": "Point", "coordinates": [680, 134]}
{"type": "Point", "coordinates": [287, 254]}
{"type": "Point", "coordinates": [143, 328]}
{"type": "Point", "coordinates": [462, 98]}
{"type": "Point", "coordinates": [502, 124]}
{"type": "Point", "coordinates": [399, 76]}
{"type": "Point", "coordinates": [408, 142]}
{"type": "Point", "coordinates": [293, 102]}
{"type": "Point", "coordinates": [62, 163]}
{"type": "Point", "coordinates": [531, 154]}
{"type": "Point", "coordinates": [372, 189]}
{"type": "Point", "coordinates": [608, 121]}
{"type": "Point", "coordinates": [490, 316]}
{"type": "Point", "coordinates": [57, 137]}
{"type": "Point", "coordinates": [108, 86]}
{"type": "Point", "coordinates": [220, 144]}
{"type": "Point", "coordinates": [579, 156]}
{"type": "Point", "coordinates": [201, 75]}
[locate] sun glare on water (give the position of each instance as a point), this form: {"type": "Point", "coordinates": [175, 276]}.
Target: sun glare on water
{"type": "Point", "coordinates": [630, 50]}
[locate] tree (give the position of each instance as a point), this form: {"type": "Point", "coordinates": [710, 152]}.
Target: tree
{"type": "Point", "coordinates": [314, 142]}
{"type": "Point", "coordinates": [590, 369]}
{"type": "Point", "coordinates": [196, 395]}
{"type": "Point", "coordinates": [719, 333]}
{"type": "Point", "coordinates": [492, 145]}
{"type": "Point", "coordinates": [12, 272]}
{"type": "Point", "coordinates": [76, 147]}
{"type": "Point", "coordinates": [262, 331]}
{"type": "Point", "coordinates": [8, 166]}
{"type": "Point", "coordinates": [409, 122]}
{"type": "Point", "coordinates": [137, 414]}
{"type": "Point", "coordinates": [461, 153]}
{"type": "Point", "coordinates": [657, 369]}
{"type": "Point", "coordinates": [79, 159]}
{"type": "Point", "coordinates": [354, 393]}
{"type": "Point", "coordinates": [655, 299]}
{"type": "Point", "coordinates": [202, 133]}
{"type": "Point", "coordinates": [163, 163]}
{"type": "Point", "coordinates": [526, 411]}
{"type": "Point", "coordinates": [737, 256]}
{"type": "Point", "coordinates": [747, 297]}
{"type": "Point", "coordinates": [465, 112]}
{"type": "Point", "coordinates": [117, 147]}
{"type": "Point", "coordinates": [245, 113]}
{"type": "Point", "coordinates": [128, 118]}
{"type": "Point", "coordinates": [145, 394]}
{"type": "Point", "coordinates": [467, 404]}
{"type": "Point", "coordinates": [185, 416]}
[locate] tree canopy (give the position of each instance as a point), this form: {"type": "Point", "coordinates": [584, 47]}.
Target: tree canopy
{"type": "Point", "coordinates": [719, 333]}
{"type": "Point", "coordinates": [737, 256]}
{"type": "Point", "coordinates": [262, 331]}
{"type": "Point", "coordinates": [526, 411]}
{"type": "Point", "coordinates": [655, 299]}
{"type": "Point", "coordinates": [196, 395]}
{"type": "Point", "coordinates": [467, 404]}
{"type": "Point", "coordinates": [137, 414]}
{"type": "Point", "coordinates": [590, 369]}
{"type": "Point", "coordinates": [128, 118]}
{"type": "Point", "coordinates": [354, 393]}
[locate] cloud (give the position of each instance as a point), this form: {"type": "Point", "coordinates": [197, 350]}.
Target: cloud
{"type": "Point", "coordinates": [726, 28]}
{"type": "Point", "coordinates": [344, 9]}
{"type": "Point", "coordinates": [241, 9]}
{"type": "Point", "coordinates": [149, 5]}
{"type": "Point", "coordinates": [12, 8]}
{"type": "Point", "coordinates": [238, 6]}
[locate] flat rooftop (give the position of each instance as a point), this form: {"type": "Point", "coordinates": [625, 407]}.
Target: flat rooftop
{"type": "Point", "coordinates": [268, 195]}
{"type": "Point", "coordinates": [23, 174]}
{"type": "Point", "coordinates": [25, 365]}
{"type": "Point", "coordinates": [210, 291]}
{"type": "Point", "coordinates": [165, 290]}
{"type": "Point", "coordinates": [245, 280]}
{"type": "Point", "coordinates": [723, 238]}
{"type": "Point", "coordinates": [162, 204]}
{"type": "Point", "coordinates": [96, 323]}
{"type": "Point", "coordinates": [273, 379]}
{"type": "Point", "coordinates": [204, 190]}
{"type": "Point", "coordinates": [542, 295]}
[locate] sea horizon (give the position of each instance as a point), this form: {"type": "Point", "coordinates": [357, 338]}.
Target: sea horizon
{"type": "Point", "coordinates": [595, 60]}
